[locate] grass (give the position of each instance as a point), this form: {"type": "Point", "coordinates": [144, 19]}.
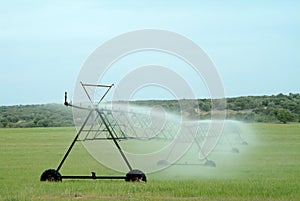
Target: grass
{"type": "Point", "coordinates": [266, 169]}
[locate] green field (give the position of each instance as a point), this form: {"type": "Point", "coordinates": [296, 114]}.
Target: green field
{"type": "Point", "coordinates": [266, 169]}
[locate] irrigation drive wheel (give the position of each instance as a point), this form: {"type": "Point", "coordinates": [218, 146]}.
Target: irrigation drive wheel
{"type": "Point", "coordinates": [210, 163]}
{"type": "Point", "coordinates": [135, 175]}
{"type": "Point", "coordinates": [50, 175]}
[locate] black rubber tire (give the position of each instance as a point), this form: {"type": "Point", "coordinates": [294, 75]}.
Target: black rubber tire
{"type": "Point", "coordinates": [235, 150]}
{"type": "Point", "coordinates": [210, 163]}
{"type": "Point", "coordinates": [51, 175]}
{"type": "Point", "coordinates": [136, 175]}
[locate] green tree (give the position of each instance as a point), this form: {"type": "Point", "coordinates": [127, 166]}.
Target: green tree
{"type": "Point", "coordinates": [284, 115]}
{"type": "Point", "coordinates": [42, 123]}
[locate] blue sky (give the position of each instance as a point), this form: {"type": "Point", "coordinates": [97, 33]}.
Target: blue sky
{"type": "Point", "coordinates": [254, 44]}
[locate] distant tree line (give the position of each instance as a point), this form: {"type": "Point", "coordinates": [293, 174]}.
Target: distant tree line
{"type": "Point", "coordinates": [47, 115]}
{"type": "Point", "coordinates": [276, 108]}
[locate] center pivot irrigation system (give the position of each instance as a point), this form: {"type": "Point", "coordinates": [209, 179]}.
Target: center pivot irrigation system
{"type": "Point", "coordinates": [116, 124]}
{"type": "Point", "coordinates": [132, 175]}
